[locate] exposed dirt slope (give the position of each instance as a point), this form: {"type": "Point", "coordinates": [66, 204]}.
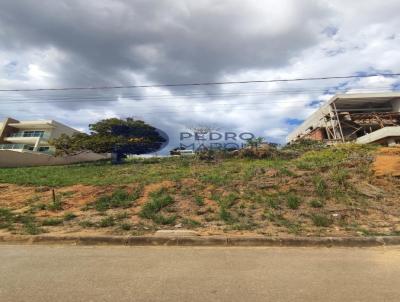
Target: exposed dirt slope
{"type": "Point", "coordinates": [387, 162]}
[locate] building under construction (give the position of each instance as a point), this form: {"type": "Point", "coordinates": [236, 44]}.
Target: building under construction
{"type": "Point", "coordinates": [363, 118]}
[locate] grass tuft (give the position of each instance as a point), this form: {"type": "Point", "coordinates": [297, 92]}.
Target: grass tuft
{"type": "Point", "coordinates": [158, 200]}
{"type": "Point", "coordinates": [293, 202]}
{"type": "Point", "coordinates": [321, 220]}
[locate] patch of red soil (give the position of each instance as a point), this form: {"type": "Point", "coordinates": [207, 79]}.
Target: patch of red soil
{"type": "Point", "coordinates": [15, 196]}
{"type": "Point", "coordinates": [387, 162]}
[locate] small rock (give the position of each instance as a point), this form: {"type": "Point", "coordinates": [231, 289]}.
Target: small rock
{"type": "Point", "coordinates": [179, 225]}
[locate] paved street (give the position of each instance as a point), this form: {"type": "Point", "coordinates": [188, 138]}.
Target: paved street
{"type": "Point", "coordinates": [74, 273]}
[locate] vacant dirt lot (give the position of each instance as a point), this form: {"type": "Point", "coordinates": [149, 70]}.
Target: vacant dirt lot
{"type": "Point", "coordinates": [337, 191]}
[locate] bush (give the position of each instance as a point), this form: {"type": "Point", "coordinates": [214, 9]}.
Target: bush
{"type": "Point", "coordinates": [161, 219]}
{"type": "Point", "coordinates": [125, 226]}
{"type": "Point", "coordinates": [29, 225]}
{"type": "Point", "coordinates": [340, 176]}
{"type": "Point", "coordinates": [191, 223]}
{"type": "Point", "coordinates": [107, 222]}
{"type": "Point", "coordinates": [320, 185]}
{"type": "Point", "coordinates": [6, 218]}
{"type": "Point", "coordinates": [69, 216]}
{"type": "Point", "coordinates": [315, 203]}
{"type": "Point", "coordinates": [199, 200]}
{"type": "Point", "coordinates": [52, 221]}
{"type": "Point", "coordinates": [320, 220]}
{"type": "Point", "coordinates": [118, 199]}
{"type": "Point", "coordinates": [293, 202]}
{"type": "Point", "coordinates": [87, 224]}
{"type": "Point", "coordinates": [225, 215]}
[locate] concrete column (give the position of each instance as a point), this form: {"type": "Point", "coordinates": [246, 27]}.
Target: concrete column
{"type": "Point", "coordinates": [37, 144]}
{"type": "Point", "coordinates": [396, 105]}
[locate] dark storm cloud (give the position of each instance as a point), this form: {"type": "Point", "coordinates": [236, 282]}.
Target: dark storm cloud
{"type": "Point", "coordinates": [111, 42]}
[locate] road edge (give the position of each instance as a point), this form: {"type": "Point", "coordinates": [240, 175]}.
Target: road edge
{"type": "Point", "coordinates": [223, 241]}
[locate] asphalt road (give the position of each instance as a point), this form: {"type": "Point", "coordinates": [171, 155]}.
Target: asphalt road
{"type": "Point", "coordinates": [76, 273]}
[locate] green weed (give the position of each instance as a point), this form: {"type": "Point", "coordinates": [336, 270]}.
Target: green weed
{"type": "Point", "coordinates": [315, 203]}
{"type": "Point", "coordinates": [52, 221]}
{"type": "Point", "coordinates": [293, 202]}
{"type": "Point", "coordinates": [158, 200]}
{"type": "Point", "coordinates": [107, 222]}
{"type": "Point", "coordinates": [321, 220]}
{"type": "Point", "coordinates": [199, 200]}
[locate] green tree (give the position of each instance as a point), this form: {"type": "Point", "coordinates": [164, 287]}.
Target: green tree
{"type": "Point", "coordinates": [117, 136]}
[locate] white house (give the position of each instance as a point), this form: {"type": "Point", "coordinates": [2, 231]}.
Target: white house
{"type": "Point", "coordinates": [31, 136]}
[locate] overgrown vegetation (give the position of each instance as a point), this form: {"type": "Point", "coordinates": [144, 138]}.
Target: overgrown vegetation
{"type": "Point", "coordinates": [302, 189]}
{"type": "Point", "coordinates": [158, 200]}
{"type": "Point", "coordinates": [120, 198]}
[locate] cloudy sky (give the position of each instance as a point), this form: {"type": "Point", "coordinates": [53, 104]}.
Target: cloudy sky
{"type": "Point", "coordinates": [72, 43]}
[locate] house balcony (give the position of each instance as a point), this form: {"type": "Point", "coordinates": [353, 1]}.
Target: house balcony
{"type": "Point", "coordinates": [26, 148]}
{"type": "Point", "coordinates": [27, 137]}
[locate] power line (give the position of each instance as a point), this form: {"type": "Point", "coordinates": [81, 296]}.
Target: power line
{"type": "Point", "coordinates": [150, 98]}
{"type": "Point", "coordinates": [205, 83]}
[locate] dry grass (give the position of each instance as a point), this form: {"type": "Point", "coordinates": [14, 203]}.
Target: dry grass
{"type": "Point", "coordinates": [329, 191]}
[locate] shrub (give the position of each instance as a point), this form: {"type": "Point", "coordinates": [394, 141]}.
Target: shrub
{"type": "Point", "coordinates": [315, 203]}
{"type": "Point", "coordinates": [293, 202]}
{"type": "Point", "coordinates": [161, 219]}
{"type": "Point", "coordinates": [199, 200]}
{"type": "Point", "coordinates": [6, 218]}
{"type": "Point", "coordinates": [126, 226]}
{"type": "Point", "coordinates": [122, 215]}
{"type": "Point", "coordinates": [230, 199]}
{"type": "Point", "coordinates": [118, 199]}
{"type": "Point", "coordinates": [340, 176]}
{"type": "Point", "coordinates": [86, 224]}
{"type": "Point", "coordinates": [320, 185]}
{"type": "Point", "coordinates": [191, 223]}
{"type": "Point", "coordinates": [225, 215]}
{"type": "Point", "coordinates": [29, 225]}
{"type": "Point", "coordinates": [320, 220]}
{"type": "Point", "coordinates": [272, 202]}
{"type": "Point", "coordinates": [32, 229]}
{"type": "Point", "coordinates": [107, 222]}
{"type": "Point", "coordinates": [52, 221]}
{"type": "Point", "coordinates": [69, 216]}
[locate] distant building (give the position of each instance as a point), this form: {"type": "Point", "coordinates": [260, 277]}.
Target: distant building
{"type": "Point", "coordinates": [362, 118]}
{"type": "Point", "coordinates": [31, 136]}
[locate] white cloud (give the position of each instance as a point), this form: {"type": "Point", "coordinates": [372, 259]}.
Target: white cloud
{"type": "Point", "coordinates": [74, 43]}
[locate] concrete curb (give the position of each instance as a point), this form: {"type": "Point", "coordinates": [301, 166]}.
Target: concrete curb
{"type": "Point", "coordinates": [203, 241]}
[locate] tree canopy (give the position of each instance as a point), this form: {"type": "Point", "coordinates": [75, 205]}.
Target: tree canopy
{"type": "Point", "coordinates": [113, 135]}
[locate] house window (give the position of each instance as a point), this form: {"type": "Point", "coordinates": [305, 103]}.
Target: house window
{"type": "Point", "coordinates": [33, 134]}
